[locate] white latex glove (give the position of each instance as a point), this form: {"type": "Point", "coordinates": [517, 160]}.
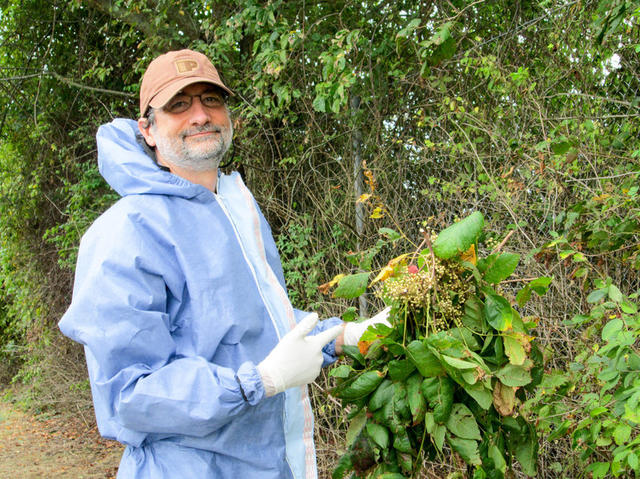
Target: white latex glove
{"type": "Point", "coordinates": [297, 358]}
{"type": "Point", "coordinates": [354, 331]}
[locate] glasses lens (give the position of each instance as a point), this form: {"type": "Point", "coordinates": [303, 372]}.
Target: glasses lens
{"type": "Point", "coordinates": [178, 104]}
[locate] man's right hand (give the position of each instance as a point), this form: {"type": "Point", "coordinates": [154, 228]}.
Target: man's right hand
{"type": "Point", "coordinates": [297, 358]}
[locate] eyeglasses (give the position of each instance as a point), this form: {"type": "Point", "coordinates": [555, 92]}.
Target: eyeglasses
{"type": "Point", "coordinates": [182, 102]}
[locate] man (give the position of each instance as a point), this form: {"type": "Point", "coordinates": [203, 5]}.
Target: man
{"type": "Point", "coordinates": [197, 360]}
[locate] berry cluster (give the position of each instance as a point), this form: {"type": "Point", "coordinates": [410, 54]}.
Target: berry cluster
{"type": "Point", "coordinates": [434, 294]}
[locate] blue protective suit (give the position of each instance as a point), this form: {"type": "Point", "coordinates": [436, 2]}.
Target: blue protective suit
{"type": "Point", "coordinates": [178, 294]}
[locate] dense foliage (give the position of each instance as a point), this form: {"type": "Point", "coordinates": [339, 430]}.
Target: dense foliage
{"type": "Point", "coordinates": [451, 368]}
{"type": "Point", "coordinates": [423, 111]}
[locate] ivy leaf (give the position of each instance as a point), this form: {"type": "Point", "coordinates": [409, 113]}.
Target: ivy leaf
{"type": "Point", "coordinates": [439, 392]}
{"type": "Point", "coordinates": [611, 329]}
{"type": "Point", "coordinates": [598, 469]}
{"type": "Point", "coordinates": [467, 448]}
{"type": "Point", "coordinates": [426, 362]}
{"type": "Point", "coordinates": [498, 459]}
{"type": "Point", "coordinates": [614, 293]}
{"type": "Point", "coordinates": [526, 453]}
{"type": "Point", "coordinates": [502, 268]}
{"type": "Point", "coordinates": [355, 427]}
{"type": "Point", "coordinates": [399, 369]}
{"type": "Point", "coordinates": [504, 399]}
{"type": "Point", "coordinates": [390, 234]}
{"type": "Point", "coordinates": [345, 464]}
{"type": "Point", "coordinates": [462, 423]}
{"type": "Point", "coordinates": [382, 395]}
{"type": "Point", "coordinates": [538, 285]}
{"type": "Point", "coordinates": [319, 103]}
{"type": "Point", "coordinates": [622, 433]}
{"type": "Point", "coordinates": [458, 363]}
{"type": "Point", "coordinates": [498, 312]}
{"type": "Point", "coordinates": [458, 237]}
{"type": "Point", "coordinates": [379, 434]}
{"type": "Point", "coordinates": [417, 402]}
{"type": "Point", "coordinates": [363, 385]}
{"type": "Point", "coordinates": [512, 375]}
{"type": "Point", "coordinates": [351, 286]}
{"type": "Point", "coordinates": [514, 349]}
{"type": "Point", "coordinates": [401, 441]}
{"type": "Point", "coordinates": [480, 393]}
{"type": "Point", "coordinates": [341, 371]}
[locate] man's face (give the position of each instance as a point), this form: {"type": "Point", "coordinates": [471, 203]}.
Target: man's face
{"type": "Point", "coordinates": [196, 138]}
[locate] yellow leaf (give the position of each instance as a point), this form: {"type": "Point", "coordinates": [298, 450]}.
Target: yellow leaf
{"type": "Point", "coordinates": [384, 274]}
{"type": "Point", "coordinates": [398, 259]}
{"type": "Point", "coordinates": [363, 346]}
{"type": "Point", "coordinates": [470, 255]}
{"type": "Point", "coordinates": [377, 213]}
{"type": "Point", "coordinates": [324, 288]}
{"type": "Point", "coordinates": [363, 198]}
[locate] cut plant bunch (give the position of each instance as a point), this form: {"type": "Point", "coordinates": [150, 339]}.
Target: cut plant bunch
{"type": "Point", "coordinates": [448, 375]}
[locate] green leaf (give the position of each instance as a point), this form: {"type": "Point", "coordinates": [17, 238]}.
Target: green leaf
{"type": "Point", "coordinates": [362, 386]}
{"type": "Point", "coordinates": [439, 392]}
{"type": "Point", "coordinates": [426, 362]}
{"type": "Point", "coordinates": [539, 285]}
{"type": "Point", "coordinates": [417, 402]}
{"type": "Point", "coordinates": [498, 459]}
{"type": "Point", "coordinates": [382, 395]}
{"type": "Point", "coordinates": [611, 329]}
{"type": "Point", "coordinates": [498, 311]}
{"type": "Point", "coordinates": [502, 268]}
{"type": "Point", "coordinates": [614, 293]}
{"type": "Point", "coordinates": [458, 237]}
{"type": "Point", "coordinates": [355, 427]}
{"type": "Point", "coordinates": [319, 103]}
{"type": "Point", "coordinates": [462, 422]}
{"type": "Point", "coordinates": [527, 453]}
{"type": "Point", "coordinates": [467, 448]}
{"type": "Point", "coordinates": [622, 433]}
{"type": "Point", "coordinates": [401, 403]}
{"type": "Point", "coordinates": [598, 470]}
{"type": "Point", "coordinates": [390, 234]}
{"type": "Point", "coordinates": [458, 363]}
{"type": "Point", "coordinates": [560, 430]}
{"type": "Point", "coordinates": [480, 393]}
{"type": "Point", "coordinates": [341, 371]}
{"type": "Point", "coordinates": [345, 464]}
{"type": "Point", "coordinates": [514, 376]}
{"type": "Point", "coordinates": [514, 349]}
{"type": "Point", "coordinates": [352, 286]}
{"type": "Point", "coordinates": [401, 441]}
{"type": "Point", "coordinates": [399, 369]}
{"type": "Point", "coordinates": [438, 435]}
{"type": "Point", "coordinates": [379, 434]}
{"type": "Point", "coordinates": [597, 295]}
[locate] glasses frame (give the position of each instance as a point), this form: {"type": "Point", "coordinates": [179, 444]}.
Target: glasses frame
{"type": "Point", "coordinates": [212, 93]}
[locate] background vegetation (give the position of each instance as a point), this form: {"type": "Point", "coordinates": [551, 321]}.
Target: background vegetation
{"type": "Point", "coordinates": [525, 110]}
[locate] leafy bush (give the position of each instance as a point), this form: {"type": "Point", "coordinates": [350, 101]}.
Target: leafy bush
{"type": "Point", "coordinates": [450, 372]}
{"type": "Point", "coordinates": [596, 400]}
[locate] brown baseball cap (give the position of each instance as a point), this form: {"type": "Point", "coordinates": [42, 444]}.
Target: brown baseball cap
{"type": "Point", "coordinates": [169, 73]}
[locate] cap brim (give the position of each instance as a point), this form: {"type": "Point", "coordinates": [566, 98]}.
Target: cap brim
{"type": "Point", "coordinates": [168, 92]}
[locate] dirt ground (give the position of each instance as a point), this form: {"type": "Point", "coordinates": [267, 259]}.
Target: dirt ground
{"type": "Point", "coordinates": [37, 448]}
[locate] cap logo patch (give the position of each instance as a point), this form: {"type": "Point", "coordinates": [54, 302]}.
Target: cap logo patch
{"type": "Point", "coordinates": [185, 66]}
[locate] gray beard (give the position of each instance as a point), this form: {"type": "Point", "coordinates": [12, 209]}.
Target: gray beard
{"type": "Point", "coordinates": [193, 156]}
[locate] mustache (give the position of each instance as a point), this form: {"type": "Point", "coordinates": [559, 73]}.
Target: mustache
{"type": "Point", "coordinates": [201, 129]}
